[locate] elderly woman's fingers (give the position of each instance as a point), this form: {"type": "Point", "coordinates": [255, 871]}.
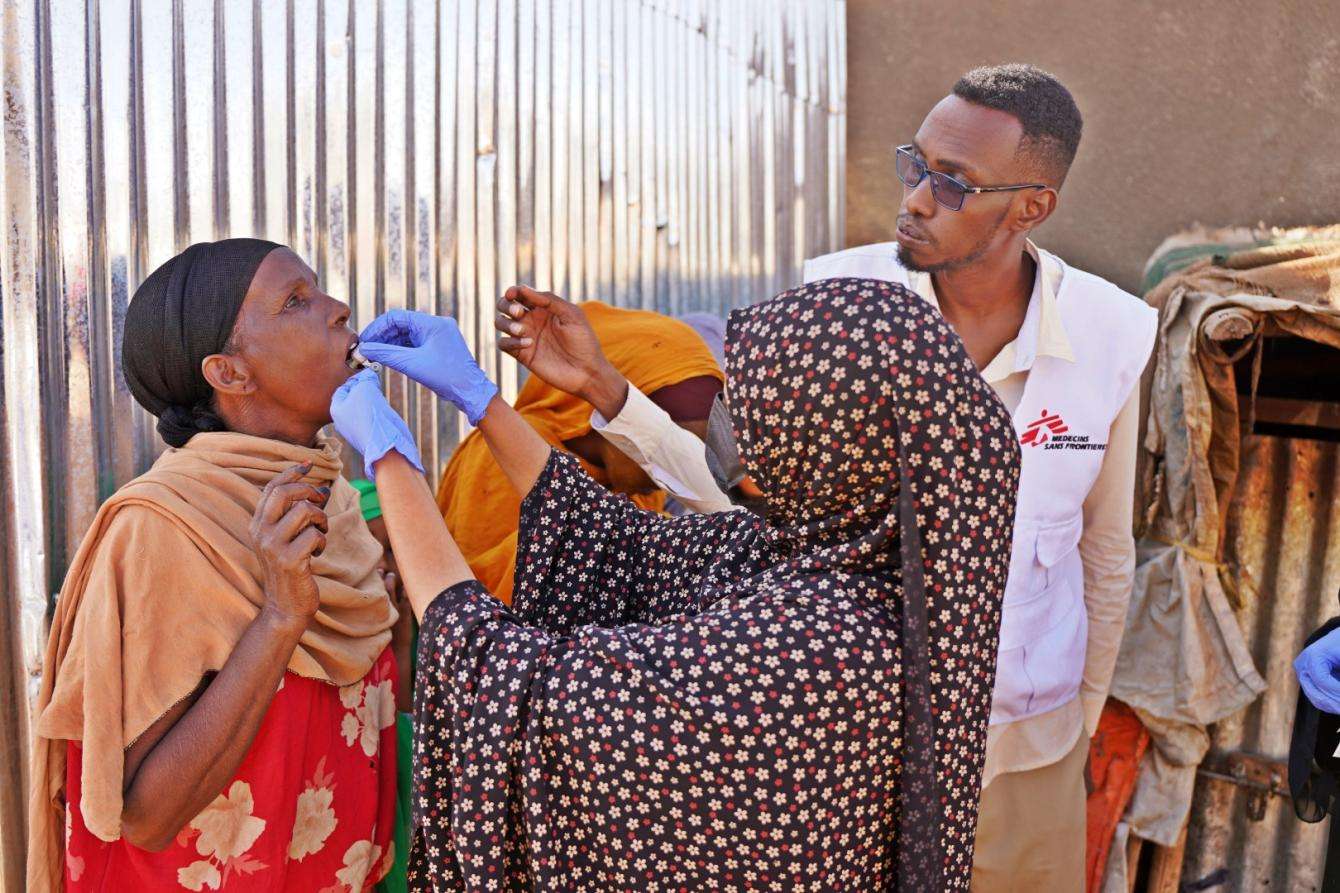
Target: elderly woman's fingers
{"type": "Point", "coordinates": [284, 496]}
{"type": "Point", "coordinates": [284, 478]}
{"type": "Point", "coordinates": [308, 544]}
{"type": "Point", "coordinates": [297, 519]}
{"type": "Point", "coordinates": [286, 545]}
{"type": "Point", "coordinates": [288, 528]}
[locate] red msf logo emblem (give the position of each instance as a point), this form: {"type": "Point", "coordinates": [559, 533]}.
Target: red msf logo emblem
{"type": "Point", "coordinates": [1044, 429]}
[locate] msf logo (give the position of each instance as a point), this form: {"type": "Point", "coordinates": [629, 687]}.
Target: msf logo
{"type": "Point", "coordinates": [1044, 429]}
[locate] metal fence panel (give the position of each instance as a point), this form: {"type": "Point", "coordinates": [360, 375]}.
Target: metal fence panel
{"type": "Point", "coordinates": [670, 154]}
{"type": "Point", "coordinates": [1284, 529]}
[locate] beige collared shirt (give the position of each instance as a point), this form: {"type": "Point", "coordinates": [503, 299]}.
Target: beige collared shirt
{"type": "Point", "coordinates": [1107, 547]}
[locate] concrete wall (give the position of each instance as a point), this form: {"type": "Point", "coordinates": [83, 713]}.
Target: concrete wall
{"type": "Point", "coordinates": [1210, 111]}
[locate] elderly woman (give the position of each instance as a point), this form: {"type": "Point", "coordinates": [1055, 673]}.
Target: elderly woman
{"type": "Point", "coordinates": [716, 701]}
{"type": "Point", "coordinates": [217, 710]}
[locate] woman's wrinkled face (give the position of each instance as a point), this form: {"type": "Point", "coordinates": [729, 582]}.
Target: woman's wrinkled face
{"type": "Point", "coordinates": [294, 339]}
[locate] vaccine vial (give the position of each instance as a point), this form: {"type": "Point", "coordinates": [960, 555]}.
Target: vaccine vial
{"type": "Point", "coordinates": [358, 362]}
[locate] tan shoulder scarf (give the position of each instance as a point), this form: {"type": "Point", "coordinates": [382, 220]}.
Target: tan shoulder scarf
{"type": "Point", "coordinates": [161, 589]}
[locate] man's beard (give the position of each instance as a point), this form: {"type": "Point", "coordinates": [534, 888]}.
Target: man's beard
{"type": "Point", "coordinates": [957, 263]}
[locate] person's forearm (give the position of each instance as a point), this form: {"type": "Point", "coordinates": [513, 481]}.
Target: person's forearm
{"type": "Point", "coordinates": [673, 457]}
{"type": "Point", "coordinates": [607, 391]}
{"type": "Point", "coordinates": [1107, 550]}
{"type": "Point", "coordinates": [518, 449]}
{"type": "Point", "coordinates": [1099, 663]}
{"type": "Point", "coordinates": [427, 556]}
{"type": "Point", "coordinates": [193, 762]}
{"type": "Point", "coordinates": [1109, 569]}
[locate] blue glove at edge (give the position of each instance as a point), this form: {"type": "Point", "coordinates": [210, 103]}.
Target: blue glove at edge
{"type": "Point", "coordinates": [368, 423]}
{"type": "Point", "coordinates": [430, 350]}
{"type": "Point", "coordinates": [1316, 668]}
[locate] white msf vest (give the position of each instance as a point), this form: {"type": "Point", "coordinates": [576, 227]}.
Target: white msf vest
{"type": "Point", "coordinates": [1063, 420]}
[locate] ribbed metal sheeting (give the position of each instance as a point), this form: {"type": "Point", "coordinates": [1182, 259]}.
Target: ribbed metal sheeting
{"type": "Point", "coordinates": [1284, 529]}
{"type": "Point", "coordinates": [673, 154]}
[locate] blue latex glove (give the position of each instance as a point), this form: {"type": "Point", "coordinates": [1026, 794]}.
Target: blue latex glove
{"type": "Point", "coordinates": [430, 350]}
{"type": "Point", "coordinates": [368, 423]}
{"type": "Point", "coordinates": [1317, 669]}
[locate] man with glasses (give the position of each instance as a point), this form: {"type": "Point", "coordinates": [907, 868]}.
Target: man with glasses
{"type": "Point", "coordinates": [1064, 351]}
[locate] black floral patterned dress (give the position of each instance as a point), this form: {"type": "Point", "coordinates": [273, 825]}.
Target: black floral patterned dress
{"type": "Point", "coordinates": [722, 703]}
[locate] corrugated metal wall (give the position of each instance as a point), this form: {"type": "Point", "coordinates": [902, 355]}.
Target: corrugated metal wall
{"type": "Point", "coordinates": [1284, 531]}
{"type": "Point", "coordinates": [672, 154]}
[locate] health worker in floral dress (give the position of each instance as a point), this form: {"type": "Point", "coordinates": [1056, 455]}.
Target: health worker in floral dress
{"type": "Point", "coordinates": [796, 702]}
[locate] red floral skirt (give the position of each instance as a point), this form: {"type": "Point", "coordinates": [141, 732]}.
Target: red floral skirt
{"type": "Point", "coordinates": [312, 806]}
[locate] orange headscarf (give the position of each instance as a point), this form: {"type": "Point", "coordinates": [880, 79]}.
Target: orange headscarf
{"type": "Point", "coordinates": [477, 501]}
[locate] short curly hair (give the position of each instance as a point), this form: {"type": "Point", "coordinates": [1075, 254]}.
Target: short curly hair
{"type": "Point", "coordinates": [1051, 120]}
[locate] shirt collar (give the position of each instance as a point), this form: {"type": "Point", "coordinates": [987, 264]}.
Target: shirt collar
{"type": "Point", "coordinates": [1042, 333]}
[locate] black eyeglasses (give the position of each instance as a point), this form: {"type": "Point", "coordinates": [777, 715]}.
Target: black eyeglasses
{"type": "Point", "coordinates": [946, 190]}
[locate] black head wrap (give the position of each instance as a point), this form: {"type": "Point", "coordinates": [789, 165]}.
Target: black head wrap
{"type": "Point", "coordinates": [181, 314]}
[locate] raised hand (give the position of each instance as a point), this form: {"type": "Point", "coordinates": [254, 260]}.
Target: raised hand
{"type": "Point", "coordinates": [552, 338]}
{"type": "Point", "coordinates": [288, 529]}
{"type": "Point", "coordinates": [430, 350]}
